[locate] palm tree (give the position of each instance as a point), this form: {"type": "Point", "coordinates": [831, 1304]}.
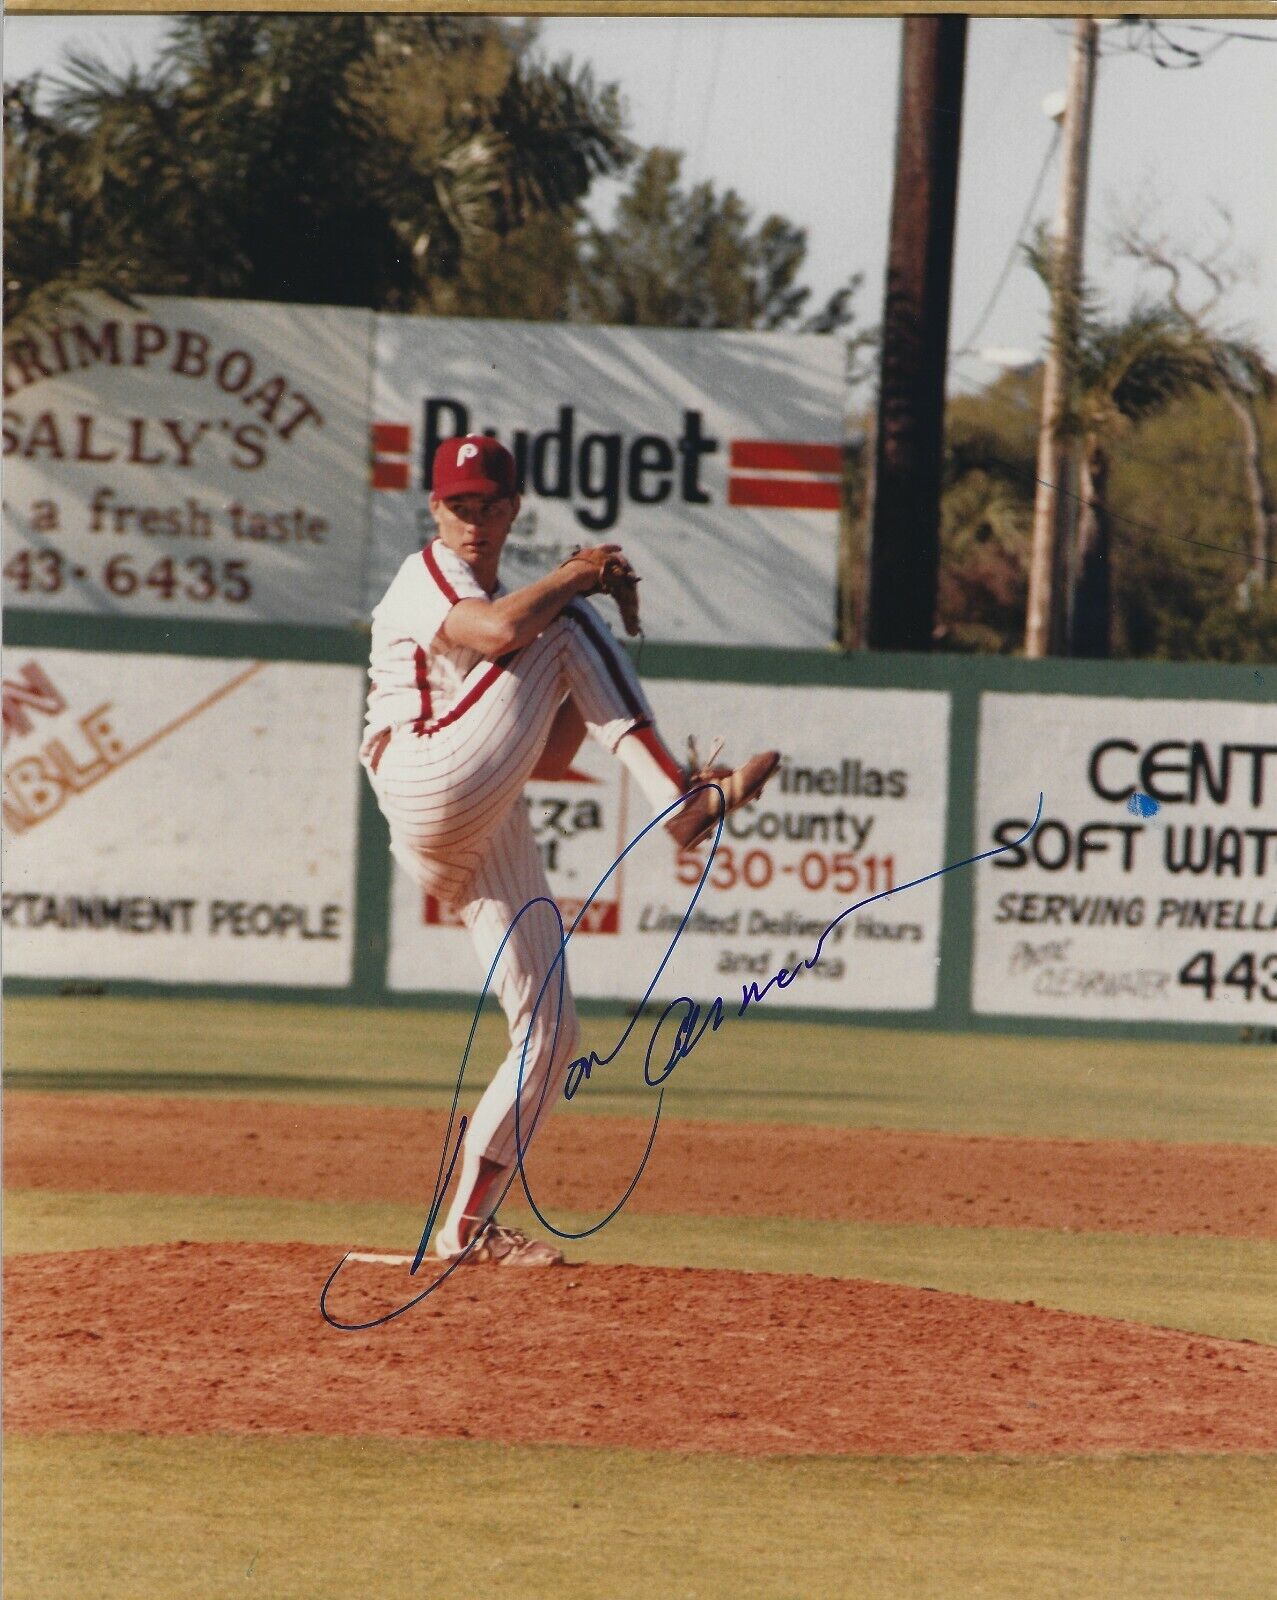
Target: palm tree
{"type": "Point", "coordinates": [1244, 379]}
{"type": "Point", "coordinates": [1125, 372]}
{"type": "Point", "coordinates": [345, 159]}
{"type": "Point", "coordinates": [45, 266]}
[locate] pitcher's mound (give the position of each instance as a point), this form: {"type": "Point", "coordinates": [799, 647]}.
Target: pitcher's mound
{"type": "Point", "coordinates": [229, 1338]}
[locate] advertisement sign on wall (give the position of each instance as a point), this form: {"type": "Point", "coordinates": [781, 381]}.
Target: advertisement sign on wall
{"type": "Point", "coordinates": [714, 458]}
{"type": "Point", "coordinates": [1149, 890]}
{"type": "Point", "coordinates": [857, 808]}
{"type": "Point", "coordinates": [193, 459]}
{"type": "Point", "coordinates": [178, 819]}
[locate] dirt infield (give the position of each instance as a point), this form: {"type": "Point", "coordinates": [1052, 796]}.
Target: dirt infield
{"type": "Point", "coordinates": [127, 1144]}
{"type": "Point", "coordinates": [228, 1338]}
{"type": "Point", "coordinates": [187, 1338]}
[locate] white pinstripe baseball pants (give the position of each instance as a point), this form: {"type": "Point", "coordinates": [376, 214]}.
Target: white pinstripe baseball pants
{"type": "Point", "coordinates": [511, 877]}
{"type": "Point", "coordinates": [453, 798]}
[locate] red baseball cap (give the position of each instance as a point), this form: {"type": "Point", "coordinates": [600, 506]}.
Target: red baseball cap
{"type": "Point", "coordinates": [473, 463]}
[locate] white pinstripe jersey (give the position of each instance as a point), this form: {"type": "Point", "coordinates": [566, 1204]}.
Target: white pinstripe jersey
{"type": "Point", "coordinates": [414, 675]}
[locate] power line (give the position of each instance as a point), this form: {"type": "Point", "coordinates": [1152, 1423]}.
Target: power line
{"type": "Point", "coordinates": [1029, 475]}
{"type": "Point", "coordinates": [1182, 468]}
{"type": "Point", "coordinates": [1133, 522]}
{"type": "Point", "coordinates": [1149, 38]}
{"type": "Point", "coordinates": [1229, 33]}
{"type": "Point", "coordinates": [1052, 147]}
{"type": "Point", "coordinates": [671, 86]}
{"type": "Point", "coordinates": [720, 40]}
{"type": "Point", "coordinates": [1124, 452]}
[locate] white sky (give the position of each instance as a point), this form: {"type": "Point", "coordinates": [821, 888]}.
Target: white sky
{"type": "Point", "coordinates": [798, 114]}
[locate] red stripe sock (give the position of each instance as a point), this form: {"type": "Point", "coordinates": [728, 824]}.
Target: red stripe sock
{"type": "Point", "coordinates": [655, 770]}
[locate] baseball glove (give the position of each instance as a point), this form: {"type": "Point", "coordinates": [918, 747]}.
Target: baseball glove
{"type": "Point", "coordinates": [614, 576]}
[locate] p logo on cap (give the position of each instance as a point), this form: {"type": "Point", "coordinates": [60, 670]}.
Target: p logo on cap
{"type": "Point", "coordinates": [473, 464]}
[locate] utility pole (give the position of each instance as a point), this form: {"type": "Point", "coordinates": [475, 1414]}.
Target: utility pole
{"type": "Point", "coordinates": [1046, 555]}
{"type": "Point", "coordinates": [904, 548]}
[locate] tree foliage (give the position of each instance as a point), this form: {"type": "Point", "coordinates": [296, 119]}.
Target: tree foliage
{"type": "Point", "coordinates": [1127, 371]}
{"type": "Point", "coordinates": [1130, 368]}
{"type": "Point", "coordinates": [693, 258]}
{"type": "Point", "coordinates": [341, 159]}
{"type": "Point", "coordinates": [1181, 524]}
{"type": "Point", "coordinates": [1178, 514]}
{"type": "Point", "coordinates": [668, 258]}
{"type": "Point", "coordinates": [428, 163]}
{"type": "Point", "coordinates": [986, 514]}
{"type": "Point", "coordinates": [1122, 371]}
{"type": "Point", "coordinates": [1243, 376]}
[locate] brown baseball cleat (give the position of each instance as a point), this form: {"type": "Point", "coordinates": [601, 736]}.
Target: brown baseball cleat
{"type": "Point", "coordinates": [496, 1246]}
{"type": "Point", "coordinates": [699, 817]}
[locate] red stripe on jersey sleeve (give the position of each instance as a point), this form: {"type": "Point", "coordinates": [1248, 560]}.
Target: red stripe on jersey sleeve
{"type": "Point", "coordinates": [423, 683]}
{"type": "Point", "coordinates": [470, 698]}
{"type": "Point", "coordinates": [436, 572]}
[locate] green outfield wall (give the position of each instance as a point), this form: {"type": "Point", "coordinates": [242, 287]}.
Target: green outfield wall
{"type": "Point", "coordinates": [1144, 903]}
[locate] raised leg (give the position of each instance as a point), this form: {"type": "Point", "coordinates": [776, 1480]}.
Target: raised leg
{"type": "Point", "coordinates": [445, 787]}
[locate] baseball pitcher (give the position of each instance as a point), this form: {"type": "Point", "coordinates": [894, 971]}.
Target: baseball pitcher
{"type": "Point", "coordinates": [473, 691]}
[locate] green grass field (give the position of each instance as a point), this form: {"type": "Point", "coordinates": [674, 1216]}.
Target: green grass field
{"type": "Point", "coordinates": [125, 1517]}
{"type": "Point", "coordinates": [758, 1070]}
{"type": "Point", "coordinates": [300, 1519]}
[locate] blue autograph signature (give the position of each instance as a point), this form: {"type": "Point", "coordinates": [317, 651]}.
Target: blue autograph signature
{"type": "Point", "coordinates": [690, 1028]}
